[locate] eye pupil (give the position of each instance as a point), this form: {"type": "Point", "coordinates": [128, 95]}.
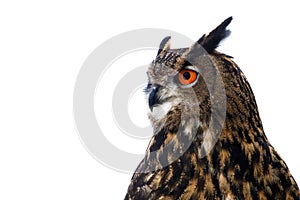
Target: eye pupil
{"type": "Point", "coordinates": [186, 75]}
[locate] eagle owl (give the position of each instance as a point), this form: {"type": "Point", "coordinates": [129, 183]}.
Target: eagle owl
{"type": "Point", "coordinates": [208, 140]}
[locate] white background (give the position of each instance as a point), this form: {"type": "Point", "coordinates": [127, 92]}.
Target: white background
{"type": "Point", "coordinates": [43, 45]}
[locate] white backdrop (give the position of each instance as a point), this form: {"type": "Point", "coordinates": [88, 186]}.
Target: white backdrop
{"type": "Point", "coordinates": [42, 48]}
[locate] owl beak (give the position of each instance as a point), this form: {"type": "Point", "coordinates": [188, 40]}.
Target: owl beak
{"type": "Point", "coordinates": [153, 99]}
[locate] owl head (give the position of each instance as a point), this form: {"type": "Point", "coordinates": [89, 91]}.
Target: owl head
{"type": "Point", "coordinates": [188, 82]}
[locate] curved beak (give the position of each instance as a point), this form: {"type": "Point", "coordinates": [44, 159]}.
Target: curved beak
{"type": "Point", "coordinates": [153, 98]}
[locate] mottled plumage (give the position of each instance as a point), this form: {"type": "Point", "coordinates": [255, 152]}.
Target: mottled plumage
{"type": "Point", "coordinates": [205, 145]}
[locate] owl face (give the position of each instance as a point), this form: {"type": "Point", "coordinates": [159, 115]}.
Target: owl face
{"type": "Point", "coordinates": [169, 87]}
{"type": "Point", "coordinates": [177, 83]}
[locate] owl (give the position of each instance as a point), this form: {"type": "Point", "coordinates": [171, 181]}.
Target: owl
{"type": "Point", "coordinates": [208, 140]}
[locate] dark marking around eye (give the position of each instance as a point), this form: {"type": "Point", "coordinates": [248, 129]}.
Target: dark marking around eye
{"type": "Point", "coordinates": [186, 63]}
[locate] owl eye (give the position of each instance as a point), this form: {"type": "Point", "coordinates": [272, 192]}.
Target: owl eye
{"type": "Point", "coordinates": [187, 76]}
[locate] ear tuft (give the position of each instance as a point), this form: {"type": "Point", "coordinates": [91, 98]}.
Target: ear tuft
{"type": "Point", "coordinates": [211, 41]}
{"type": "Point", "coordinates": [164, 45]}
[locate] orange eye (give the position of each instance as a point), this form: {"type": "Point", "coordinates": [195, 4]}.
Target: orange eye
{"type": "Point", "coordinates": [187, 76]}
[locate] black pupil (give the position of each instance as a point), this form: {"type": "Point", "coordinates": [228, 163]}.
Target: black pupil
{"type": "Point", "coordinates": [186, 75]}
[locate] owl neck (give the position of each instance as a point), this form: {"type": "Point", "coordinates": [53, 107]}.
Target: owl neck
{"type": "Point", "coordinates": [242, 121]}
{"type": "Point", "coordinates": [173, 136]}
